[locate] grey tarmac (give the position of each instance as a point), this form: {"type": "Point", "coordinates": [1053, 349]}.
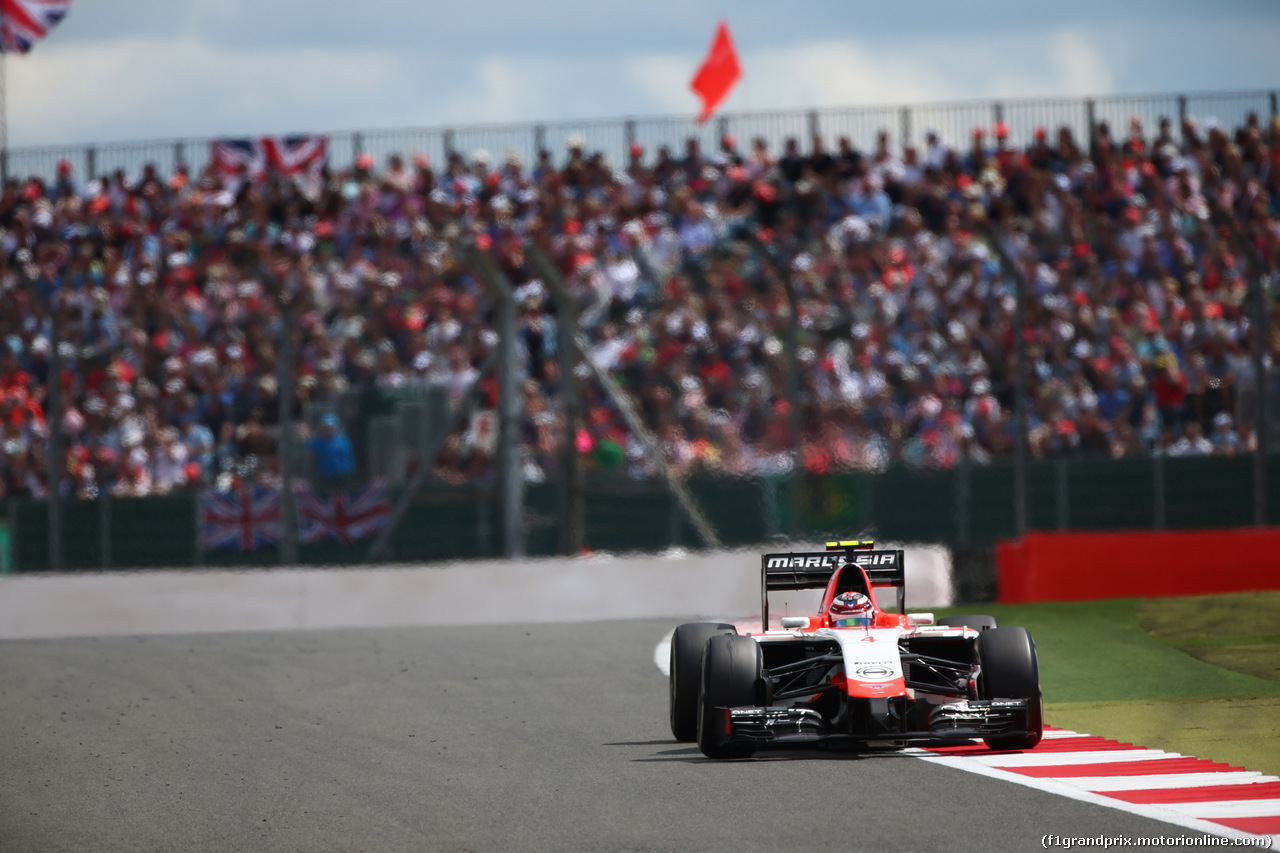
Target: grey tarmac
{"type": "Point", "coordinates": [540, 737]}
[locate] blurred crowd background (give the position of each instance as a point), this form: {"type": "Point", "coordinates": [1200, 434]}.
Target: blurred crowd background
{"type": "Point", "coordinates": [173, 293]}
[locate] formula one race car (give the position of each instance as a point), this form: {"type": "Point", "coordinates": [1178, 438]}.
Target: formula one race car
{"type": "Point", "coordinates": [854, 674]}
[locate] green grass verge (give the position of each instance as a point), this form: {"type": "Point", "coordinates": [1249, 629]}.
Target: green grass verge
{"type": "Point", "coordinates": [1242, 732]}
{"type": "Point", "coordinates": [1096, 651]}
{"type": "Point", "coordinates": [1198, 676]}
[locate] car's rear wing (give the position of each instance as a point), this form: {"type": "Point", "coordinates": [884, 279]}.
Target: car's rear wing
{"type": "Point", "coordinates": [813, 570]}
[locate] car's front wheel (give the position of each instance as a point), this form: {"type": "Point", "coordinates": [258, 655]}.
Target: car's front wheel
{"type": "Point", "coordinates": [685, 674]}
{"type": "Point", "coordinates": [732, 676]}
{"type": "Point", "coordinates": [1011, 670]}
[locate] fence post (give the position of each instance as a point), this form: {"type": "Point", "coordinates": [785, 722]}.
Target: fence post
{"type": "Point", "coordinates": [997, 112]}
{"type": "Point", "coordinates": [90, 163]}
{"type": "Point", "coordinates": [1259, 286]}
{"type": "Point", "coordinates": [1064, 495]}
{"type": "Point", "coordinates": [1182, 116]}
{"type": "Point", "coordinates": [179, 154]}
{"type": "Point", "coordinates": [962, 502]}
{"type": "Point", "coordinates": [104, 529]}
{"type": "Point", "coordinates": [1090, 118]}
{"type": "Point", "coordinates": [814, 127]}
{"type": "Point", "coordinates": [1020, 287]}
{"type": "Point", "coordinates": [539, 140]}
{"type": "Point", "coordinates": [904, 126]}
{"type": "Point", "coordinates": [510, 463]}
{"type": "Point", "coordinates": [1272, 98]}
{"type": "Point", "coordinates": [572, 501]}
{"type": "Point", "coordinates": [448, 144]}
{"type": "Point", "coordinates": [1157, 488]}
{"type": "Point", "coordinates": [12, 512]}
{"type": "Point", "coordinates": [198, 559]}
{"type": "Point", "coordinates": [357, 146]}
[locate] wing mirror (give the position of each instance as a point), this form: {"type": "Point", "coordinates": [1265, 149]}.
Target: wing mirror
{"type": "Point", "coordinates": [795, 621]}
{"type": "Point", "coordinates": [916, 619]}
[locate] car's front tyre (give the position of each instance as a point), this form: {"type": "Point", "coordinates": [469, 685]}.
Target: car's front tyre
{"type": "Point", "coordinates": [732, 676]}
{"type": "Point", "coordinates": [685, 674]}
{"type": "Point", "coordinates": [1011, 670]}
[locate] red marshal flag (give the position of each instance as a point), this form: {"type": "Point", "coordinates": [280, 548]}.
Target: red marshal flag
{"type": "Point", "coordinates": [718, 73]}
{"type": "Point", "coordinates": [25, 22]}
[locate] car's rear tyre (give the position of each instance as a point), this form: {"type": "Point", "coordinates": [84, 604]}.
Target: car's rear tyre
{"type": "Point", "coordinates": [732, 676]}
{"type": "Point", "coordinates": [685, 674]}
{"type": "Point", "coordinates": [1010, 670]}
{"type": "Point", "coordinates": [976, 621]}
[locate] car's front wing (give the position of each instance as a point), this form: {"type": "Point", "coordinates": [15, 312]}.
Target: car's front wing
{"type": "Point", "coordinates": [961, 720]}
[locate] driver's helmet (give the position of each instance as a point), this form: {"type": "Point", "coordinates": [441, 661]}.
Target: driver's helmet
{"type": "Point", "coordinates": [851, 610]}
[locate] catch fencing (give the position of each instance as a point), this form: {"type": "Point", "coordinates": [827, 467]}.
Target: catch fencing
{"type": "Point", "coordinates": [968, 508]}
{"type": "Point", "coordinates": [902, 125]}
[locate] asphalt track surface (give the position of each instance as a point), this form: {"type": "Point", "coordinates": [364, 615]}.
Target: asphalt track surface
{"type": "Point", "coordinates": [544, 737]}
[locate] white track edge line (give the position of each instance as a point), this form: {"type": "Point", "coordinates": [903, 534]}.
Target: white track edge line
{"type": "Point", "coordinates": [1063, 759]}
{"type": "Point", "coordinates": [1052, 786]}
{"type": "Point", "coordinates": [1228, 809]}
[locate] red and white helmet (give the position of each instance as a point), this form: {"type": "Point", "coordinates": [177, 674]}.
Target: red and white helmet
{"type": "Point", "coordinates": [851, 610]}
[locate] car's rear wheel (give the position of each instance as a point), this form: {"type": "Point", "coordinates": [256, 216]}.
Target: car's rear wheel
{"type": "Point", "coordinates": [732, 676]}
{"type": "Point", "coordinates": [685, 674]}
{"type": "Point", "coordinates": [976, 621]}
{"type": "Point", "coordinates": [1010, 670]}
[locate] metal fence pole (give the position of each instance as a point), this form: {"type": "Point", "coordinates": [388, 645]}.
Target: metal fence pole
{"type": "Point", "coordinates": [1157, 488]}
{"type": "Point", "coordinates": [285, 444]}
{"type": "Point", "coordinates": [904, 126]}
{"type": "Point", "coordinates": [53, 417]}
{"type": "Point", "coordinates": [1064, 495]}
{"type": "Point", "coordinates": [104, 530]}
{"type": "Point", "coordinates": [510, 463]}
{"type": "Point", "coordinates": [1260, 285]}
{"type": "Point", "coordinates": [572, 499]}
{"type": "Point", "coordinates": [1020, 285]}
{"type": "Point", "coordinates": [12, 511]}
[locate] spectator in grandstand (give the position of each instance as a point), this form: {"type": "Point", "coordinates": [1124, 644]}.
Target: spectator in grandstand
{"type": "Point", "coordinates": [331, 450]}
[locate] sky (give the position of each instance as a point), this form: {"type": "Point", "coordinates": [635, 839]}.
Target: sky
{"type": "Point", "coordinates": [117, 70]}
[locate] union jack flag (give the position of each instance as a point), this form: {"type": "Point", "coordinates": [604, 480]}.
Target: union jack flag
{"type": "Point", "coordinates": [25, 22]}
{"type": "Point", "coordinates": [287, 155]}
{"type": "Point", "coordinates": [344, 515]}
{"type": "Point", "coordinates": [241, 520]}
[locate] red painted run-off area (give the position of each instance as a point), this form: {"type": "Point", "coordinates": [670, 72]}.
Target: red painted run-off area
{"type": "Point", "coordinates": [1257, 803]}
{"type": "Point", "coordinates": [1086, 566]}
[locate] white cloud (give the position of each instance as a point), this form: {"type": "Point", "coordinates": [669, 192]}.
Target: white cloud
{"type": "Point", "coordinates": [138, 88]}
{"type": "Point", "coordinates": [195, 85]}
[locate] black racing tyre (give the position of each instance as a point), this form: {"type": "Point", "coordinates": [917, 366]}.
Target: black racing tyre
{"type": "Point", "coordinates": [976, 621]}
{"type": "Point", "coordinates": [685, 674]}
{"type": "Point", "coordinates": [1010, 670]}
{"type": "Point", "coordinates": [732, 676]}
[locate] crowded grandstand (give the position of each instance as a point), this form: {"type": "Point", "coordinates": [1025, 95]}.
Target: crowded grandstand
{"type": "Point", "coordinates": [172, 291]}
